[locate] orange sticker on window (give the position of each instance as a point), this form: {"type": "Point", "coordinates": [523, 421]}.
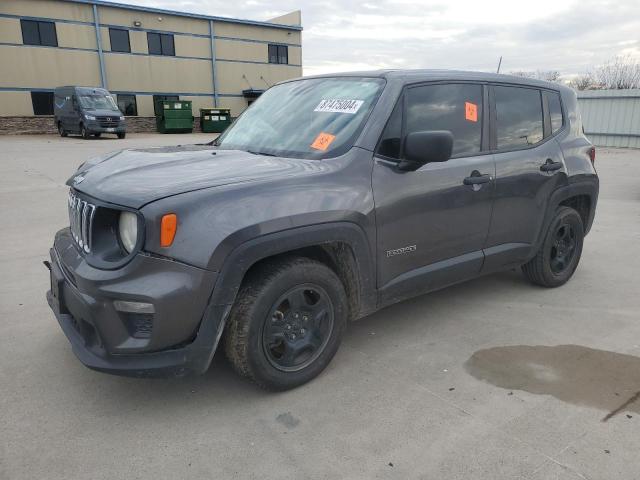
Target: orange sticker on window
{"type": "Point", "coordinates": [322, 141]}
{"type": "Point", "coordinates": [470, 111]}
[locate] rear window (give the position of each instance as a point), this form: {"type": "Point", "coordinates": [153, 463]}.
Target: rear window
{"type": "Point", "coordinates": [519, 117]}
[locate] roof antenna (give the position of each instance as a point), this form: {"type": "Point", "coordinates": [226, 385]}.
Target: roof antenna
{"type": "Point", "coordinates": [499, 63]}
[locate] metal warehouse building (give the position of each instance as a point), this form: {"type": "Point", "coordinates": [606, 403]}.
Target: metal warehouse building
{"type": "Point", "coordinates": [139, 54]}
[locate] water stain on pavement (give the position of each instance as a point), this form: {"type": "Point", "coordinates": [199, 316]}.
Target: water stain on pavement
{"type": "Point", "coordinates": [288, 420]}
{"type": "Point", "coordinates": [578, 375]}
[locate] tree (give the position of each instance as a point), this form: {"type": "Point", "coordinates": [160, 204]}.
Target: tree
{"type": "Point", "coordinates": [548, 75]}
{"type": "Point", "coordinates": [584, 82]}
{"type": "Point", "coordinates": [621, 72]}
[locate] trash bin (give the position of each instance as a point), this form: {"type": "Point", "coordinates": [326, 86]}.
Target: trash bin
{"type": "Point", "coordinates": [214, 120]}
{"type": "Point", "coordinates": [174, 116]}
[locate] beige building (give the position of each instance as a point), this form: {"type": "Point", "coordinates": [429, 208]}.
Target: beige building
{"type": "Point", "coordinates": [139, 54]}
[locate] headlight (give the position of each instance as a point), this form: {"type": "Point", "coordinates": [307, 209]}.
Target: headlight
{"type": "Point", "coordinates": [128, 230]}
{"type": "Point", "coordinates": [89, 117]}
{"type": "Point", "coordinates": [122, 119]}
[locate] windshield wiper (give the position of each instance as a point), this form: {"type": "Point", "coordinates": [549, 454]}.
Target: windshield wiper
{"type": "Point", "coordinates": [262, 153]}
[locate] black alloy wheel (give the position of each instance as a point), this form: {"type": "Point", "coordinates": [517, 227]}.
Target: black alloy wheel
{"type": "Point", "coordinates": [563, 248]}
{"type": "Point", "coordinates": [298, 327]}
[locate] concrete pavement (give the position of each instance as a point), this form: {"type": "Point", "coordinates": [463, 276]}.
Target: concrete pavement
{"type": "Point", "coordinates": [492, 379]}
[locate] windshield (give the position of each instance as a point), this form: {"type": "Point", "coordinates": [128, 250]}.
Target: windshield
{"type": "Point", "coordinates": [315, 118]}
{"type": "Point", "coordinates": [97, 102]}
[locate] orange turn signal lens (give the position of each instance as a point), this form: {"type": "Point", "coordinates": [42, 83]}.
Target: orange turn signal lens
{"type": "Point", "coordinates": [168, 228]}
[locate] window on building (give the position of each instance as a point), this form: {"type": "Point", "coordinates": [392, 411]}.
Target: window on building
{"type": "Point", "coordinates": [127, 104]}
{"type": "Point", "coordinates": [42, 103]}
{"type": "Point", "coordinates": [157, 108]}
{"type": "Point", "coordinates": [278, 54]}
{"type": "Point", "coordinates": [555, 111]}
{"type": "Point", "coordinates": [39, 33]}
{"type": "Point", "coordinates": [161, 44]}
{"type": "Point", "coordinates": [119, 40]}
{"type": "Point", "coordinates": [453, 107]}
{"type": "Point", "coordinates": [519, 117]}
{"type": "Point", "coordinates": [389, 145]}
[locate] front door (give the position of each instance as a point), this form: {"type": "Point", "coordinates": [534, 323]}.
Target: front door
{"type": "Point", "coordinates": [432, 223]}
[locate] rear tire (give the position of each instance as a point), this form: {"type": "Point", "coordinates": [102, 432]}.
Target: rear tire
{"type": "Point", "coordinates": [287, 323]}
{"type": "Point", "coordinates": [97, 135]}
{"type": "Point", "coordinates": [61, 130]}
{"type": "Point", "coordinates": [559, 254]}
{"type": "Point", "coordinates": [84, 133]}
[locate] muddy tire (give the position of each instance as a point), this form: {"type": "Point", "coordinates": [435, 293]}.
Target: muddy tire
{"type": "Point", "coordinates": [287, 323]}
{"type": "Point", "coordinates": [559, 254]}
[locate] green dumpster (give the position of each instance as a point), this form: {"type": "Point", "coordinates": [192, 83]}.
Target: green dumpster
{"type": "Point", "coordinates": [214, 120]}
{"type": "Point", "coordinates": [174, 116]}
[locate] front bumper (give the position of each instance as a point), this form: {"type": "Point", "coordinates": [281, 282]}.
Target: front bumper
{"type": "Point", "coordinates": [184, 330]}
{"type": "Point", "coordinates": [93, 126]}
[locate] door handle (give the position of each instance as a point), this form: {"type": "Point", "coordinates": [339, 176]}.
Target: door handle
{"type": "Point", "coordinates": [550, 166]}
{"type": "Point", "coordinates": [477, 178]}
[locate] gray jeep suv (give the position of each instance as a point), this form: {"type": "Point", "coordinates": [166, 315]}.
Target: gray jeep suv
{"type": "Point", "coordinates": [329, 198]}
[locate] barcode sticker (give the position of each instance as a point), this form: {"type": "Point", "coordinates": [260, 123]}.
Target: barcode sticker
{"type": "Point", "coordinates": [335, 105]}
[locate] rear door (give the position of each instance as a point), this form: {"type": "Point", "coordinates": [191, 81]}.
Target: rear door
{"type": "Point", "coordinates": [432, 223]}
{"type": "Point", "coordinates": [529, 167]}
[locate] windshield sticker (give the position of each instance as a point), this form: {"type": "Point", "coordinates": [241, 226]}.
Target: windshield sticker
{"type": "Point", "coordinates": [335, 105]}
{"type": "Point", "coordinates": [322, 141]}
{"type": "Point", "coordinates": [470, 111]}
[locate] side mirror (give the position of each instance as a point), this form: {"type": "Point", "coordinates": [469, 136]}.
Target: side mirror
{"type": "Point", "coordinates": [426, 147]}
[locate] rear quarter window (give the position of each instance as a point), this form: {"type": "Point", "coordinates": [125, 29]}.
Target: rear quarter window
{"type": "Point", "coordinates": [555, 111]}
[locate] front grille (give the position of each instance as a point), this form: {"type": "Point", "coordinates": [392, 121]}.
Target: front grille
{"type": "Point", "coordinates": [108, 122]}
{"type": "Point", "coordinates": [81, 215]}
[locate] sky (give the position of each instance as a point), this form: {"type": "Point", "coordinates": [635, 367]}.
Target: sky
{"type": "Point", "coordinates": [341, 35]}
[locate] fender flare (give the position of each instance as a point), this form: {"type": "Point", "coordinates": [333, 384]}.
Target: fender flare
{"type": "Point", "coordinates": [243, 256]}
{"type": "Point", "coordinates": [588, 187]}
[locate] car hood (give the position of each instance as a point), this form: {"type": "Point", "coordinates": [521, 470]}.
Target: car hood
{"type": "Point", "coordinates": [136, 177]}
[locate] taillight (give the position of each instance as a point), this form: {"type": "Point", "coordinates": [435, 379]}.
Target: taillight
{"type": "Point", "coordinates": [592, 155]}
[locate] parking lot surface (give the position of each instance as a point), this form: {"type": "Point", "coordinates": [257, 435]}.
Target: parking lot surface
{"type": "Point", "coordinates": [492, 379]}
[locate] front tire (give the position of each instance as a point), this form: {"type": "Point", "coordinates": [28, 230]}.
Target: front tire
{"type": "Point", "coordinates": [287, 323]}
{"type": "Point", "coordinates": [121, 135]}
{"type": "Point", "coordinates": [84, 133]}
{"type": "Point", "coordinates": [560, 252]}
{"type": "Point", "coordinates": [61, 130]}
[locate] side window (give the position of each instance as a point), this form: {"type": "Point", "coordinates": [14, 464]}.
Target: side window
{"type": "Point", "coordinates": [42, 103]}
{"type": "Point", "coordinates": [119, 39]}
{"type": "Point", "coordinates": [161, 44]}
{"type": "Point", "coordinates": [39, 33]}
{"type": "Point", "coordinates": [453, 107]}
{"type": "Point", "coordinates": [519, 117]}
{"type": "Point", "coordinates": [389, 145]}
{"type": "Point", "coordinates": [127, 105]}
{"type": "Point", "coordinates": [278, 54]}
{"type": "Point", "coordinates": [555, 111]}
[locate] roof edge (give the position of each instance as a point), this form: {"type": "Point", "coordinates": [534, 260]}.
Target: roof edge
{"type": "Point", "coordinates": [139, 8]}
